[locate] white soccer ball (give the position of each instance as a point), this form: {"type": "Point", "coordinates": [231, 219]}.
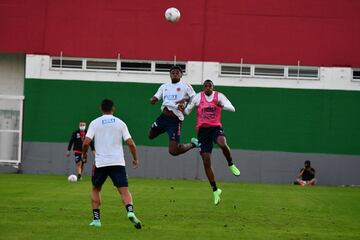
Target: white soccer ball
{"type": "Point", "coordinates": [172, 15]}
{"type": "Point", "coordinates": [72, 178]}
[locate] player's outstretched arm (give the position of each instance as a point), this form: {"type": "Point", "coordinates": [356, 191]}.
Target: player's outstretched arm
{"type": "Point", "coordinates": [225, 104]}
{"type": "Point", "coordinates": [133, 151]}
{"type": "Point", "coordinates": [189, 108]}
{"type": "Point", "coordinates": [194, 101]}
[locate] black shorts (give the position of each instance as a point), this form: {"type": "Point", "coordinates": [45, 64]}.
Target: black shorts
{"type": "Point", "coordinates": [116, 173]}
{"type": "Point", "coordinates": [171, 125]}
{"type": "Point", "coordinates": [78, 158]}
{"type": "Point", "coordinates": [207, 136]}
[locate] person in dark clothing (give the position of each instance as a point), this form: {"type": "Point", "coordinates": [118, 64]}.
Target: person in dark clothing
{"type": "Point", "coordinates": [76, 142]}
{"type": "Point", "coordinates": [306, 175]}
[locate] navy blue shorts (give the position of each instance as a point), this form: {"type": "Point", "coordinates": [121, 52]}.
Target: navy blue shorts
{"type": "Point", "coordinates": [116, 173]}
{"type": "Point", "coordinates": [207, 136]}
{"type": "Point", "coordinates": [171, 125]}
{"type": "Point", "coordinates": [78, 158]}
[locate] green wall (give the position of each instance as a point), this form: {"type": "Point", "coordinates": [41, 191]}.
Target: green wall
{"type": "Point", "coordinates": [293, 120]}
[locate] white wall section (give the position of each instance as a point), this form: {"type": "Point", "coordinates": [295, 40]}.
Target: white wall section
{"type": "Point", "coordinates": [330, 78]}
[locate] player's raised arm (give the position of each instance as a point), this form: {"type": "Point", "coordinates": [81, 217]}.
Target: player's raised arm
{"type": "Point", "coordinates": [133, 151]}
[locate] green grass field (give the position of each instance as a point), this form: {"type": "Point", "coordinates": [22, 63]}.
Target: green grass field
{"type": "Point", "coordinates": [48, 207]}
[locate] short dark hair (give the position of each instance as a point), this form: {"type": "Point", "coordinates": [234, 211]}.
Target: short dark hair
{"type": "Point", "coordinates": [307, 162]}
{"type": "Point", "coordinates": [107, 105]}
{"type": "Point", "coordinates": [175, 67]}
{"type": "Point", "coordinates": [208, 81]}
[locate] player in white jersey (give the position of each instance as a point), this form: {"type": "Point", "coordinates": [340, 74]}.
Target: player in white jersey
{"type": "Point", "coordinates": [172, 95]}
{"type": "Point", "coordinates": [109, 131]}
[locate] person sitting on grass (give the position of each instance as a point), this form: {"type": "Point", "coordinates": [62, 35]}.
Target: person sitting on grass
{"type": "Point", "coordinates": [306, 175]}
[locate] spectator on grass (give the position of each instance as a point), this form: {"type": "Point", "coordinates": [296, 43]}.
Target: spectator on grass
{"type": "Point", "coordinates": [306, 175]}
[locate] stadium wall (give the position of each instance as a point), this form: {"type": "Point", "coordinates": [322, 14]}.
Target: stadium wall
{"type": "Point", "coordinates": [292, 120]}
{"type": "Point", "coordinates": [272, 132]}
{"type": "Point", "coordinates": [313, 33]}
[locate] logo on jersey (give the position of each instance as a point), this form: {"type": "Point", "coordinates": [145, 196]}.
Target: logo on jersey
{"type": "Point", "coordinates": [170, 97]}
{"type": "Point", "coordinates": [107, 121]}
{"type": "Point", "coordinates": [178, 89]}
{"type": "Point", "coordinates": [209, 112]}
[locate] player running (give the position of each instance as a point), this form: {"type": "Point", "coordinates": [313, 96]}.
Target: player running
{"type": "Point", "coordinates": [209, 105]}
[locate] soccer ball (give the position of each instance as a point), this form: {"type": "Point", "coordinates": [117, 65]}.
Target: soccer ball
{"type": "Point", "coordinates": [72, 178]}
{"type": "Point", "coordinates": [172, 15]}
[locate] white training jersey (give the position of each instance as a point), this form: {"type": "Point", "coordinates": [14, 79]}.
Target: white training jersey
{"type": "Point", "coordinates": [108, 131]}
{"type": "Point", "coordinates": [170, 93]}
{"type": "Point", "coordinates": [221, 97]}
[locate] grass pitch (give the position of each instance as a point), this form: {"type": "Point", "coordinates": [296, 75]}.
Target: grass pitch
{"type": "Point", "coordinates": [48, 207]}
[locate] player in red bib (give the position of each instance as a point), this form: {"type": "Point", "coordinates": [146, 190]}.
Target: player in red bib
{"type": "Point", "coordinates": [209, 105]}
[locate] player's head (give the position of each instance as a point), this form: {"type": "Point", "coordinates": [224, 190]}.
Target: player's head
{"type": "Point", "coordinates": [175, 73]}
{"type": "Point", "coordinates": [82, 125]}
{"type": "Point", "coordinates": [307, 163]}
{"type": "Point", "coordinates": [107, 106]}
{"type": "Point", "coordinates": [208, 87]}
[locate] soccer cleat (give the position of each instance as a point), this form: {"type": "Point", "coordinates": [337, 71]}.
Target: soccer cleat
{"type": "Point", "coordinates": [95, 223]}
{"type": "Point", "coordinates": [195, 141]}
{"type": "Point", "coordinates": [134, 220]}
{"type": "Point", "coordinates": [217, 198]}
{"type": "Point", "coordinates": [234, 170]}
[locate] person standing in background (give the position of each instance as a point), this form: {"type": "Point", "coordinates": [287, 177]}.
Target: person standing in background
{"type": "Point", "coordinates": [76, 142]}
